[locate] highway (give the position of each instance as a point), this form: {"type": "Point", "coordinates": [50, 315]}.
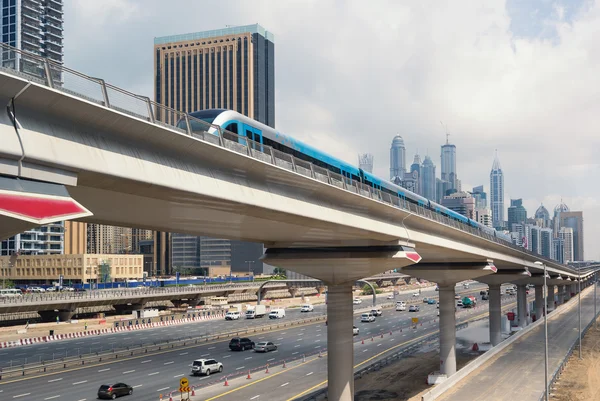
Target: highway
{"type": "Point", "coordinates": [159, 372]}
{"type": "Point", "coordinates": [499, 379]}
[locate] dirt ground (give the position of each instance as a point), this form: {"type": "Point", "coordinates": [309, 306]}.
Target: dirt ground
{"type": "Point", "coordinates": [580, 380]}
{"type": "Point", "coordinates": [404, 380]}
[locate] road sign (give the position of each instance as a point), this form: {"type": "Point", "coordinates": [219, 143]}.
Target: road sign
{"type": "Point", "coordinates": [184, 385]}
{"type": "Point", "coordinates": [415, 320]}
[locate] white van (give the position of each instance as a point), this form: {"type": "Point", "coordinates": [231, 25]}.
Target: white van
{"type": "Point", "coordinates": [277, 314]}
{"type": "Point", "coordinates": [307, 308]}
{"type": "Point", "coordinates": [232, 315]}
{"type": "Point", "coordinates": [400, 305]}
{"type": "Point", "coordinates": [10, 293]}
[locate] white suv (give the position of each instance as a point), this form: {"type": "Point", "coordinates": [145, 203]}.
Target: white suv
{"type": "Point", "coordinates": [232, 315]}
{"type": "Point", "coordinates": [367, 318]}
{"type": "Point", "coordinates": [206, 367]}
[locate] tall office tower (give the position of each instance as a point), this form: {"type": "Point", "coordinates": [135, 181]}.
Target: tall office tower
{"type": "Point", "coordinates": [558, 210]}
{"type": "Point", "coordinates": [415, 171]}
{"type": "Point", "coordinates": [566, 234]}
{"type": "Point", "coordinates": [231, 68]}
{"type": "Point", "coordinates": [542, 217]}
{"type": "Point", "coordinates": [44, 240]}
{"type": "Point", "coordinates": [535, 244]}
{"type": "Point", "coordinates": [428, 179]}
{"type": "Point", "coordinates": [161, 256]}
{"type": "Point", "coordinates": [442, 188]}
{"type": "Point", "coordinates": [185, 250]}
{"type": "Point", "coordinates": [460, 202]}
{"type": "Point", "coordinates": [480, 197]}
{"type": "Point", "coordinates": [546, 243]}
{"type": "Point", "coordinates": [105, 239]}
{"type": "Point", "coordinates": [35, 26]}
{"type": "Point", "coordinates": [215, 252]}
{"type": "Point", "coordinates": [574, 220]}
{"type": "Point", "coordinates": [517, 214]}
{"type": "Point", "coordinates": [397, 158]}
{"type": "Point", "coordinates": [75, 238]}
{"type": "Point", "coordinates": [365, 162]}
{"type": "Point", "coordinates": [558, 246]}
{"type": "Point", "coordinates": [497, 194]}
{"type": "Point", "coordinates": [138, 235]}
{"type": "Point", "coordinates": [448, 165]}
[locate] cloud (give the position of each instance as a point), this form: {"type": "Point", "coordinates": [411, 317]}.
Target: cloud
{"type": "Point", "coordinates": [520, 78]}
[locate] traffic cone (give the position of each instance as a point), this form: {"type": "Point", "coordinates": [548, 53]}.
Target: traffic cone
{"type": "Point", "coordinates": [170, 397]}
{"type": "Point", "coordinates": [372, 339]}
{"type": "Point", "coordinates": [193, 391]}
{"type": "Point", "coordinates": [267, 371]}
{"type": "Point", "coordinates": [248, 377]}
{"type": "Point", "coordinates": [303, 358]}
{"type": "Point", "coordinates": [475, 347]}
{"type": "Point", "coordinates": [284, 363]}
{"type": "Point", "coordinates": [226, 382]}
{"type": "Point", "coordinates": [390, 332]}
{"type": "Point", "coordinates": [320, 356]}
{"type": "Point", "coordinates": [363, 341]}
{"type": "Point", "coordinates": [381, 335]}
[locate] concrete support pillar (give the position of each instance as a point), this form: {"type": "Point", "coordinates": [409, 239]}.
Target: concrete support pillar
{"type": "Point", "coordinates": [539, 301]}
{"type": "Point", "coordinates": [447, 330]}
{"type": "Point", "coordinates": [567, 291]}
{"type": "Point", "coordinates": [561, 294]}
{"type": "Point", "coordinates": [495, 314]}
{"type": "Point", "coordinates": [340, 347]}
{"type": "Point", "coordinates": [522, 305]}
{"type": "Point", "coordinates": [550, 300]}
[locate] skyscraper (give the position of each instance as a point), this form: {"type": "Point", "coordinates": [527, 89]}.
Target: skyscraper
{"type": "Point", "coordinates": [75, 238]}
{"type": "Point", "coordinates": [560, 208]}
{"type": "Point", "coordinates": [517, 214]}
{"type": "Point", "coordinates": [186, 251]}
{"type": "Point", "coordinates": [448, 165]}
{"type": "Point", "coordinates": [480, 197]}
{"type": "Point", "coordinates": [428, 179]}
{"type": "Point", "coordinates": [35, 26]}
{"type": "Point", "coordinates": [574, 220]}
{"type": "Point", "coordinates": [566, 234]}
{"type": "Point", "coordinates": [231, 68]}
{"type": "Point", "coordinates": [558, 245]}
{"type": "Point", "coordinates": [365, 162]}
{"type": "Point", "coordinates": [397, 158]}
{"type": "Point", "coordinates": [415, 171]}
{"type": "Point", "coordinates": [104, 239]}
{"type": "Point", "coordinates": [542, 217]}
{"type": "Point", "coordinates": [497, 194]}
{"type": "Point", "coordinates": [546, 243]}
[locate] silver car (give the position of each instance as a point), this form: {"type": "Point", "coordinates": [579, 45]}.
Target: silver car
{"type": "Point", "coordinates": [264, 346]}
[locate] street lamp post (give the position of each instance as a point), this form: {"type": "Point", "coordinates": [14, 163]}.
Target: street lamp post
{"type": "Point", "coordinates": [595, 286]}
{"type": "Point", "coordinates": [249, 262]}
{"type": "Point", "coordinates": [547, 390]}
{"type": "Point", "coordinates": [579, 286]}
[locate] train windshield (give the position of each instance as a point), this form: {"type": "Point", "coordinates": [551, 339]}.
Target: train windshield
{"type": "Point", "coordinates": [207, 115]}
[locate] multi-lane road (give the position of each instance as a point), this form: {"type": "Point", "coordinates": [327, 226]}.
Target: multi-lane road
{"type": "Point", "coordinates": [159, 372]}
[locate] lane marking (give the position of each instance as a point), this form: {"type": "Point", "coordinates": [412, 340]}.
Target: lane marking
{"type": "Point", "coordinates": [81, 382]}
{"type": "Point", "coordinates": [179, 375]}
{"type": "Point", "coordinates": [129, 371]}
{"type": "Point", "coordinates": [255, 397]}
{"type": "Point", "coordinates": [284, 384]}
{"type": "Point", "coordinates": [152, 374]}
{"type": "Point", "coordinates": [55, 380]}
{"type": "Point", "coordinates": [168, 363]}
{"type": "Point", "coordinates": [138, 385]}
{"type": "Point", "coordinates": [269, 360]}
{"type": "Point", "coordinates": [54, 396]}
{"type": "Point", "coordinates": [21, 395]}
{"type": "Point", "coordinates": [104, 370]}
{"type": "Point", "coordinates": [241, 367]}
{"type": "Point", "coordinates": [149, 360]}
{"type": "Point", "coordinates": [162, 389]}
{"type": "Point", "coordinates": [184, 353]}
{"type": "Point", "coordinates": [310, 373]}
{"type": "Point", "coordinates": [247, 358]}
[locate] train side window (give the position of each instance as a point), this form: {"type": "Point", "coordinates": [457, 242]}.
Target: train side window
{"type": "Point", "coordinates": [249, 133]}
{"type": "Point", "coordinates": [232, 127]}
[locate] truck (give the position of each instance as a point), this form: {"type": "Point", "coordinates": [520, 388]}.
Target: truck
{"type": "Point", "coordinates": [469, 302]}
{"type": "Point", "coordinates": [255, 311]}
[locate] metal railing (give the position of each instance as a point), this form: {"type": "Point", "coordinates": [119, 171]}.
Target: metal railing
{"type": "Point", "coordinates": [54, 75]}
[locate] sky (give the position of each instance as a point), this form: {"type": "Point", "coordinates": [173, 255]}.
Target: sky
{"type": "Point", "coordinates": [520, 77]}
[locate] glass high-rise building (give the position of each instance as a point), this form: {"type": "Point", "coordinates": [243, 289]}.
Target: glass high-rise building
{"type": "Point", "coordinates": [428, 179]}
{"type": "Point", "coordinates": [480, 197]}
{"type": "Point", "coordinates": [397, 158]}
{"type": "Point", "coordinates": [35, 26]}
{"type": "Point", "coordinates": [517, 214]}
{"type": "Point", "coordinates": [231, 68]}
{"type": "Point", "coordinates": [574, 220]}
{"type": "Point", "coordinates": [497, 194]}
{"type": "Point", "coordinates": [448, 165]}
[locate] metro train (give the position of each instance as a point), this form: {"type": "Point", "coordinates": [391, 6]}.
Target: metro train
{"type": "Point", "coordinates": [260, 133]}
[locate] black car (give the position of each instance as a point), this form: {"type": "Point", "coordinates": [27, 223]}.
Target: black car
{"type": "Point", "coordinates": [116, 390]}
{"type": "Point", "coordinates": [485, 297]}
{"type": "Point", "coordinates": [240, 344]}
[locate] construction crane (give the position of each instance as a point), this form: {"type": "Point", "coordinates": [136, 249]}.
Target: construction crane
{"type": "Point", "coordinates": [446, 131]}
